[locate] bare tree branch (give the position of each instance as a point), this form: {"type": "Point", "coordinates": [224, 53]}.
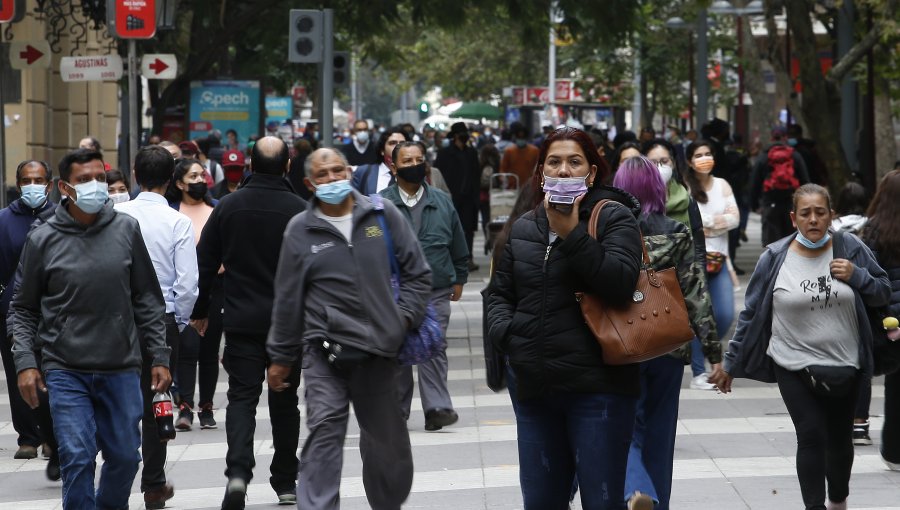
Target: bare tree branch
{"type": "Point", "coordinates": [856, 53]}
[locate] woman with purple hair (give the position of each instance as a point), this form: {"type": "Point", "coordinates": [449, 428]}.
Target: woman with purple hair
{"type": "Point", "coordinates": [669, 244]}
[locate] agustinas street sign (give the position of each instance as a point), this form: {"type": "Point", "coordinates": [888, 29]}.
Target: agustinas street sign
{"type": "Point", "coordinates": [95, 68]}
{"type": "Point", "coordinates": [29, 54]}
{"type": "Point", "coordinates": [159, 66]}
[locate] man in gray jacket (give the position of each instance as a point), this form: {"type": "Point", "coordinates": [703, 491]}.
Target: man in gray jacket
{"type": "Point", "coordinates": [90, 299]}
{"type": "Point", "coordinates": [334, 301]}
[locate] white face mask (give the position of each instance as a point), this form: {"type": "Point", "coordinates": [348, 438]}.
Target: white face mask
{"type": "Point", "coordinates": [665, 171]}
{"type": "Point", "coordinates": [118, 198]}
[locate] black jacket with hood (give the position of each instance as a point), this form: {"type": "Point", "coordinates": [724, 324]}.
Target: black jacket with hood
{"type": "Point", "coordinates": [533, 316]}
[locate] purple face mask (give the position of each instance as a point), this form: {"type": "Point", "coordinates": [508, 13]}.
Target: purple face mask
{"type": "Point", "coordinates": [571, 186]}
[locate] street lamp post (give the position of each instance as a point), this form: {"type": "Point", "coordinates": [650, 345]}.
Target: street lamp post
{"type": "Point", "coordinates": [700, 76]}
{"type": "Point", "coordinates": [725, 7]}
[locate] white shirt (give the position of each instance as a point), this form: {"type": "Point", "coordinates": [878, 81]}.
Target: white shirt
{"type": "Point", "coordinates": [384, 177]}
{"type": "Point", "coordinates": [411, 200]}
{"type": "Point", "coordinates": [169, 237]}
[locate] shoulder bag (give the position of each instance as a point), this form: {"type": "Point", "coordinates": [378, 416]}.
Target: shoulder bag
{"type": "Point", "coordinates": [426, 341]}
{"type": "Point", "coordinates": [655, 321]}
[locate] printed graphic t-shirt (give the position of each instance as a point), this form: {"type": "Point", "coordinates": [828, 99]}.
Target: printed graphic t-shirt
{"type": "Point", "coordinates": [813, 315]}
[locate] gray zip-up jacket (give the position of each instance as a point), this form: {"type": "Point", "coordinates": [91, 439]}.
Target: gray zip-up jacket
{"type": "Point", "coordinates": [747, 357]}
{"type": "Point", "coordinates": [329, 288]}
{"type": "Point", "coordinates": [88, 296]}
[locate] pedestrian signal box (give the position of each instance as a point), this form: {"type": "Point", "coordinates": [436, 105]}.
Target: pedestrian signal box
{"type": "Point", "coordinates": [305, 36]}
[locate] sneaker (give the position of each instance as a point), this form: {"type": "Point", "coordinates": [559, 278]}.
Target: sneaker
{"type": "Point", "coordinates": [701, 382]}
{"type": "Point", "coordinates": [185, 418]}
{"type": "Point", "coordinates": [235, 495]}
{"type": "Point", "coordinates": [640, 501]}
{"type": "Point", "coordinates": [472, 266]}
{"type": "Point", "coordinates": [861, 434]}
{"type": "Point", "coordinates": [436, 419]}
{"type": "Point", "coordinates": [26, 451]}
{"type": "Point", "coordinates": [206, 417]}
{"type": "Point", "coordinates": [288, 497]}
{"type": "Point", "coordinates": [893, 466]}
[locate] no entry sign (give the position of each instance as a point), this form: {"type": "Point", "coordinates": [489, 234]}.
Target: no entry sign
{"type": "Point", "coordinates": [135, 19]}
{"type": "Point", "coordinates": [7, 10]}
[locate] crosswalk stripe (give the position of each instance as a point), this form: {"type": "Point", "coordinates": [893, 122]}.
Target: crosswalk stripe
{"type": "Point", "coordinates": [497, 477]}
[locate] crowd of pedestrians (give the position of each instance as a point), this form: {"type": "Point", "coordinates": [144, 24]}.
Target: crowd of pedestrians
{"type": "Point", "coordinates": [322, 263]}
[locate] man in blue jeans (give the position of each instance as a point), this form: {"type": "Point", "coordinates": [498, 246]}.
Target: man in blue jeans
{"type": "Point", "coordinates": [90, 299]}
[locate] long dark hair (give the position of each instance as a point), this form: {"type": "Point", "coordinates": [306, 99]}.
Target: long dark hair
{"type": "Point", "coordinates": [182, 166]}
{"type": "Point", "coordinates": [587, 146]}
{"type": "Point", "coordinates": [528, 199]}
{"type": "Point", "coordinates": [690, 176]}
{"type": "Point", "coordinates": [489, 156]}
{"type": "Point", "coordinates": [882, 231]}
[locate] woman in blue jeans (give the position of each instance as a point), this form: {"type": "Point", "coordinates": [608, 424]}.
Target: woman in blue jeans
{"type": "Point", "coordinates": [720, 214]}
{"type": "Point", "coordinates": [574, 413]}
{"type": "Point", "coordinates": [669, 244]}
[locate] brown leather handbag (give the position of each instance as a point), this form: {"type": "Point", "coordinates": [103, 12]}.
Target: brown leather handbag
{"type": "Point", "coordinates": [655, 321]}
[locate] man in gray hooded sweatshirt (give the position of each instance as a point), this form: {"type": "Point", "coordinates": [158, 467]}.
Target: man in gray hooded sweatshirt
{"type": "Point", "coordinates": [90, 299]}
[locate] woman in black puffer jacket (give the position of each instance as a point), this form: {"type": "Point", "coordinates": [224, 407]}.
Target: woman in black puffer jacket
{"type": "Point", "coordinates": [574, 414]}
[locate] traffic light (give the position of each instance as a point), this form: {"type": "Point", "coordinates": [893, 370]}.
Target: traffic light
{"type": "Point", "coordinates": [341, 68]}
{"type": "Point", "coordinates": [305, 36]}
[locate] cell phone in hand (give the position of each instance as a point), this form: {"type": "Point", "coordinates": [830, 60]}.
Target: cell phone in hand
{"type": "Point", "coordinates": [562, 203]}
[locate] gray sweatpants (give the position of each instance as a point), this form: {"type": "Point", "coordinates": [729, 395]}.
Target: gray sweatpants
{"type": "Point", "coordinates": [383, 443]}
{"type": "Point", "coordinates": [432, 373]}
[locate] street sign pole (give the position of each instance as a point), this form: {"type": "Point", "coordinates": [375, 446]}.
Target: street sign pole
{"type": "Point", "coordinates": [132, 108]}
{"type": "Point", "coordinates": [326, 122]}
{"type": "Point", "coordinates": [2, 148]}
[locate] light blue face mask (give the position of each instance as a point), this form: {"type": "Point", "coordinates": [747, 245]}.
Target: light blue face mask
{"type": "Point", "coordinates": [811, 245]}
{"type": "Point", "coordinates": [90, 196]}
{"type": "Point", "coordinates": [34, 195]}
{"type": "Point", "coordinates": [334, 192]}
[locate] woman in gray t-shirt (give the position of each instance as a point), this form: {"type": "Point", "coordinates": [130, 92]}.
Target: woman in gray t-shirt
{"type": "Point", "coordinates": [805, 327]}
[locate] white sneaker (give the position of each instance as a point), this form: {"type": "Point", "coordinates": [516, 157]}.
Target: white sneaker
{"type": "Point", "coordinates": [701, 382]}
{"type": "Point", "coordinates": [893, 466]}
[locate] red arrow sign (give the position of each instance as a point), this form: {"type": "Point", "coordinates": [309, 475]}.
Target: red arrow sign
{"type": "Point", "coordinates": [31, 54]}
{"type": "Point", "coordinates": [158, 66]}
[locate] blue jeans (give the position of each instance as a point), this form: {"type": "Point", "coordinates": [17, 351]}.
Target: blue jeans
{"type": "Point", "coordinates": [653, 443]}
{"type": "Point", "coordinates": [721, 293]}
{"type": "Point", "coordinates": [89, 409]}
{"type": "Point", "coordinates": [569, 434]}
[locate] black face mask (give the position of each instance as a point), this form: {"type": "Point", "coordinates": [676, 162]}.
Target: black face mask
{"type": "Point", "coordinates": [197, 190]}
{"type": "Point", "coordinates": [412, 174]}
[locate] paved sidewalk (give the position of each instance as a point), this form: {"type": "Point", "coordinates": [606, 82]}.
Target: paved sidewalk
{"type": "Point", "coordinates": [733, 452]}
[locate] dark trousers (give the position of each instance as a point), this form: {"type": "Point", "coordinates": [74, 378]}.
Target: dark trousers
{"type": "Point", "coordinates": [890, 434]}
{"type": "Point", "coordinates": [23, 419]}
{"type": "Point", "coordinates": [201, 353]}
{"type": "Point", "coordinates": [152, 449]}
{"type": "Point", "coordinates": [863, 400]}
{"type": "Point", "coordinates": [245, 360]}
{"type": "Point", "coordinates": [776, 220]}
{"type": "Point", "coordinates": [824, 427]}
